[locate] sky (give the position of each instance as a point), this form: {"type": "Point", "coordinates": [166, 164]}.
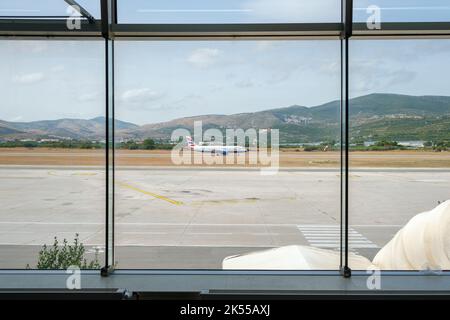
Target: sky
{"type": "Point", "coordinates": [161, 80]}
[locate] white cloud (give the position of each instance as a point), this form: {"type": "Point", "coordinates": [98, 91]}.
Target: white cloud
{"type": "Point", "coordinates": [90, 96]}
{"type": "Point", "coordinates": [377, 75]}
{"type": "Point", "coordinates": [140, 95]}
{"type": "Point", "coordinates": [204, 57]}
{"type": "Point", "coordinates": [28, 78]}
{"type": "Point", "coordinates": [330, 67]}
{"type": "Point", "coordinates": [264, 45]}
{"type": "Point", "coordinates": [281, 71]}
{"type": "Point", "coordinates": [57, 68]}
{"type": "Point", "coordinates": [185, 102]}
{"type": "Point", "coordinates": [30, 46]}
{"type": "Point", "coordinates": [38, 46]}
{"type": "Point", "coordinates": [15, 119]}
{"type": "Point", "coordinates": [247, 83]}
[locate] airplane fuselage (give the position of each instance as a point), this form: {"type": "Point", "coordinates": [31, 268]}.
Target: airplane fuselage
{"type": "Point", "coordinates": [223, 150]}
{"type": "Point", "coordinates": [219, 149]}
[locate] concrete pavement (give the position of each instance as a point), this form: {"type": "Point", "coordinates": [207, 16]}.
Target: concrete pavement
{"type": "Point", "coordinates": [193, 218]}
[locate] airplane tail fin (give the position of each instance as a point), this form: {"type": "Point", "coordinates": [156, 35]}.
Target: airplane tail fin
{"type": "Point", "coordinates": [190, 142]}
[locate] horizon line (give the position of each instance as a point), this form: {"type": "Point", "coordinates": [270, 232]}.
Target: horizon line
{"type": "Point", "coordinates": [223, 114]}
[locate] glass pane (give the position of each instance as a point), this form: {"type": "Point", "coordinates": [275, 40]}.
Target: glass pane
{"type": "Point", "coordinates": [400, 164]}
{"type": "Point", "coordinates": [172, 214]}
{"type": "Point", "coordinates": [402, 11]}
{"type": "Point", "coordinates": [52, 154]}
{"type": "Point", "coordinates": [47, 8]}
{"type": "Point", "coordinates": [234, 11]}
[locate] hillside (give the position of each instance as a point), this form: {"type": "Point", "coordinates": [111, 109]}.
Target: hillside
{"type": "Point", "coordinates": [67, 128]}
{"type": "Point", "coordinates": [374, 116]}
{"type": "Point", "coordinates": [389, 116]}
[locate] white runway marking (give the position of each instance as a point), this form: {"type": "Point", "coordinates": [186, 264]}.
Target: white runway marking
{"type": "Point", "coordinates": [144, 232]}
{"type": "Point", "coordinates": [328, 237]}
{"type": "Point", "coordinates": [192, 224]}
{"type": "Point", "coordinates": [210, 233]}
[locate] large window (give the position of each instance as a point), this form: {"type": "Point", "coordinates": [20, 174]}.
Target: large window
{"type": "Point", "coordinates": [235, 11]}
{"type": "Point", "coordinates": [399, 163]}
{"type": "Point", "coordinates": [52, 139]}
{"type": "Point", "coordinates": [213, 135]}
{"type": "Point", "coordinates": [193, 215]}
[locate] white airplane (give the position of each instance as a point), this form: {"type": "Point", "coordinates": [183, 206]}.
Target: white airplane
{"type": "Point", "coordinates": [223, 150]}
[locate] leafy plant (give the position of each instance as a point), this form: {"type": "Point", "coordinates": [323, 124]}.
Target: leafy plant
{"type": "Point", "coordinates": [148, 144]}
{"type": "Point", "coordinates": [386, 143]}
{"type": "Point", "coordinates": [63, 256]}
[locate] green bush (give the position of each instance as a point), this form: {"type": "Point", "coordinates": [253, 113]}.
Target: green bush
{"type": "Point", "coordinates": [148, 144]}
{"type": "Point", "coordinates": [311, 148]}
{"type": "Point", "coordinates": [441, 146]}
{"type": "Point", "coordinates": [63, 256]}
{"type": "Point", "coordinates": [386, 144]}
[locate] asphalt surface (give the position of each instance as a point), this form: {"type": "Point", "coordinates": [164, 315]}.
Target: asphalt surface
{"type": "Point", "coordinates": [182, 218]}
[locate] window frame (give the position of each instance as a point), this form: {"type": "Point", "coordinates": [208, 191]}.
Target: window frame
{"type": "Point", "coordinates": [222, 281]}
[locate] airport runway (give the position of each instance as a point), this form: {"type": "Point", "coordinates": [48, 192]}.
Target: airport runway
{"type": "Point", "coordinates": [193, 218]}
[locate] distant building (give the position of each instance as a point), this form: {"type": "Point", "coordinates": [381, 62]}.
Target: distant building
{"type": "Point", "coordinates": [48, 140]}
{"type": "Point", "coordinates": [412, 144]}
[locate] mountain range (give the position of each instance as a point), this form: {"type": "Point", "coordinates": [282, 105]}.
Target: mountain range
{"type": "Point", "coordinates": [372, 117]}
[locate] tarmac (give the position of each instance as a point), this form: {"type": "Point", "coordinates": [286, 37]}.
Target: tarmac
{"type": "Point", "coordinates": [184, 218]}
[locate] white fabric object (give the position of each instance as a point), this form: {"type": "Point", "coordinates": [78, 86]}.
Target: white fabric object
{"type": "Point", "coordinates": [293, 258]}
{"type": "Point", "coordinates": [422, 244]}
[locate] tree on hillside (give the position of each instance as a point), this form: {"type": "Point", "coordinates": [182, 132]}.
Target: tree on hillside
{"type": "Point", "coordinates": [148, 144]}
{"type": "Point", "coordinates": [386, 143]}
{"type": "Point", "coordinates": [130, 145]}
{"type": "Point", "coordinates": [86, 145]}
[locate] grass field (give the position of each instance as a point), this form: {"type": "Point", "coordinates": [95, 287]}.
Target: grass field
{"type": "Point", "coordinates": [288, 158]}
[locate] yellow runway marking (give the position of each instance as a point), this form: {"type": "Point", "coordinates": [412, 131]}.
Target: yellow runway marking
{"type": "Point", "coordinates": [84, 174]}
{"type": "Point", "coordinates": [150, 194]}
{"type": "Point", "coordinates": [52, 173]}
{"type": "Point", "coordinates": [244, 200]}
